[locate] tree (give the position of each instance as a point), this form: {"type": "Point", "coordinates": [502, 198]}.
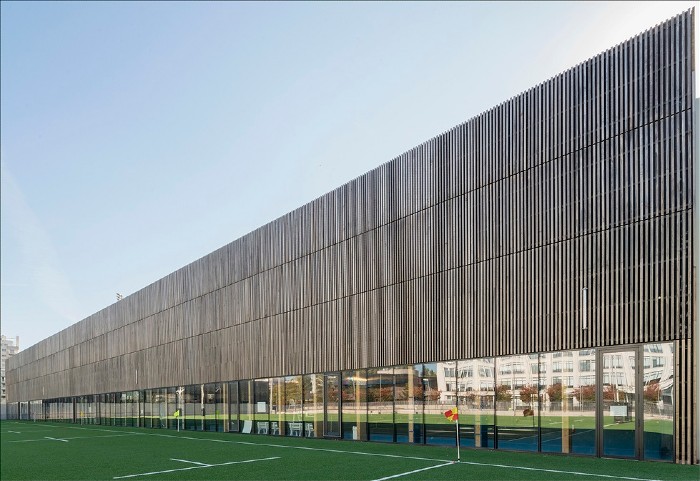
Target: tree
{"type": "Point", "coordinates": [609, 393]}
{"type": "Point", "coordinates": [503, 393]}
{"type": "Point", "coordinates": [652, 391]}
{"type": "Point", "coordinates": [555, 392]}
{"type": "Point", "coordinates": [585, 394]}
{"type": "Point", "coordinates": [418, 391]}
{"type": "Point", "coordinates": [528, 394]}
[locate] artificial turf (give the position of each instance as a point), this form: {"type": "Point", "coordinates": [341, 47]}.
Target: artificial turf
{"type": "Point", "coordinates": [48, 451]}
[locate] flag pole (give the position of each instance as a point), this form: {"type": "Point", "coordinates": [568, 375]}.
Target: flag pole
{"type": "Point", "coordinates": [457, 422]}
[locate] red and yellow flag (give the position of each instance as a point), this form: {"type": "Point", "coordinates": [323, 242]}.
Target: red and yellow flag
{"type": "Point", "coordinates": [451, 414]}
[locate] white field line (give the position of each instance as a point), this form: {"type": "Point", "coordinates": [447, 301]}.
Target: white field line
{"type": "Point", "coordinates": [186, 461]}
{"type": "Point", "coordinates": [385, 455]}
{"type": "Point", "coordinates": [576, 473]}
{"type": "Point", "coordinates": [77, 437]}
{"type": "Point", "coordinates": [414, 471]}
{"type": "Point", "coordinates": [269, 445]}
{"type": "Point", "coordinates": [195, 467]}
{"type": "Point", "coordinates": [56, 439]}
{"type": "Point", "coordinates": [302, 447]}
{"type": "Point", "coordinates": [16, 432]}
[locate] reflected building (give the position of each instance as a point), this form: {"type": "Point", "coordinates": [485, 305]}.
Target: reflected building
{"type": "Point", "coordinates": [532, 267]}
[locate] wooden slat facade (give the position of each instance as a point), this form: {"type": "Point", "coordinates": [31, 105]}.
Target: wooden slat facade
{"type": "Point", "coordinates": [475, 243]}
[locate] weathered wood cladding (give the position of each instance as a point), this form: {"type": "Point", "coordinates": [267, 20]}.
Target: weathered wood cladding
{"type": "Point", "coordinates": [475, 243]}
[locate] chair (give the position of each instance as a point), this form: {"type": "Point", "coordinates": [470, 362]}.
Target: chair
{"type": "Point", "coordinates": [263, 427]}
{"type": "Point", "coordinates": [295, 429]}
{"type": "Point", "coordinates": [309, 430]}
{"type": "Point", "coordinates": [274, 428]}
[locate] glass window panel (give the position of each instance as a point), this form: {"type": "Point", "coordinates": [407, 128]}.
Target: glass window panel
{"type": "Point", "coordinates": [261, 414]}
{"type": "Point", "coordinates": [619, 403]}
{"type": "Point", "coordinates": [568, 403]}
{"type": "Point", "coordinates": [516, 404]}
{"type": "Point", "coordinates": [212, 394]}
{"type": "Point", "coordinates": [246, 405]}
{"type": "Point", "coordinates": [313, 405]}
{"type": "Point", "coordinates": [439, 395]}
{"type": "Point", "coordinates": [174, 402]}
{"type": "Point", "coordinates": [277, 406]}
{"type": "Point", "coordinates": [292, 406]}
{"type": "Point", "coordinates": [136, 408]}
{"type": "Point", "coordinates": [658, 403]}
{"type": "Point", "coordinates": [380, 404]}
{"type": "Point", "coordinates": [354, 404]}
{"type": "Point", "coordinates": [408, 403]}
{"type": "Point", "coordinates": [331, 386]}
{"type": "Point", "coordinates": [233, 425]}
{"type": "Point", "coordinates": [193, 406]}
{"type": "Point", "coordinates": [476, 402]}
{"type": "Point", "coordinates": [122, 409]}
{"type": "Point", "coordinates": [148, 408]}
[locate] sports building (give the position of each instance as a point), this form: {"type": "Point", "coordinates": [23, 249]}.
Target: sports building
{"type": "Point", "coordinates": [532, 266]}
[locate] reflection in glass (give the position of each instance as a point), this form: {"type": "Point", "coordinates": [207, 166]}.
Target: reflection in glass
{"type": "Point", "coordinates": [291, 408]}
{"type": "Point", "coordinates": [193, 404]}
{"type": "Point", "coordinates": [277, 406]}
{"type": "Point", "coordinates": [568, 401]}
{"type": "Point", "coordinates": [439, 395]}
{"type": "Point", "coordinates": [516, 403]}
{"type": "Point", "coordinates": [380, 404]}
{"type": "Point", "coordinates": [213, 421]}
{"type": "Point", "coordinates": [331, 425]}
{"type": "Point", "coordinates": [408, 403]}
{"type": "Point", "coordinates": [619, 406]}
{"type": "Point", "coordinates": [246, 406]}
{"type": "Point", "coordinates": [262, 406]}
{"type": "Point", "coordinates": [233, 425]}
{"type": "Point", "coordinates": [475, 389]}
{"type": "Point", "coordinates": [173, 404]}
{"type": "Point", "coordinates": [354, 404]}
{"type": "Point", "coordinates": [148, 408]}
{"type": "Point", "coordinates": [312, 386]}
{"type": "Point", "coordinates": [658, 401]}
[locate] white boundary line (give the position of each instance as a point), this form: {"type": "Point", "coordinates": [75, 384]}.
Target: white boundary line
{"type": "Point", "coordinates": [194, 467]}
{"type": "Point", "coordinates": [306, 448]}
{"type": "Point", "coordinates": [77, 437]}
{"type": "Point", "coordinates": [577, 473]}
{"type": "Point", "coordinates": [186, 461]}
{"type": "Point", "coordinates": [53, 439]}
{"type": "Point", "coordinates": [414, 471]}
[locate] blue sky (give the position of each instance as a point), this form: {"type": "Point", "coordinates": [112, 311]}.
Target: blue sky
{"type": "Point", "coordinates": [137, 137]}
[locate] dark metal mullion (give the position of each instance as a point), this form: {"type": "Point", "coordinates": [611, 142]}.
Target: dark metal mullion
{"type": "Point", "coordinates": [639, 399]}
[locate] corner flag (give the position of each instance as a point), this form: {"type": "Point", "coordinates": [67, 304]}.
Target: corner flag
{"type": "Point", "coordinates": [176, 413]}
{"type": "Point", "coordinates": [451, 414]}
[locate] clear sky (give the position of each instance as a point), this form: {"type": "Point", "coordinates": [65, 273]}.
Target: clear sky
{"type": "Point", "coordinates": [137, 137]}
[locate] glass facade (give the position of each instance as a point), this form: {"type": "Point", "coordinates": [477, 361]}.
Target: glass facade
{"type": "Point", "coordinates": [584, 402]}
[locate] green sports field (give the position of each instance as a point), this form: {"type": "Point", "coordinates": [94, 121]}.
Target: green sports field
{"type": "Point", "coordinates": [62, 451]}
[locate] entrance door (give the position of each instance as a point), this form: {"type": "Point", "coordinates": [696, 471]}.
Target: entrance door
{"type": "Point", "coordinates": [331, 419]}
{"type": "Point", "coordinates": [619, 425]}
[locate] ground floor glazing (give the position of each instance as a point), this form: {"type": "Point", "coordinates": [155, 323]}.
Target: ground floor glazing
{"type": "Point", "coordinates": [612, 402]}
